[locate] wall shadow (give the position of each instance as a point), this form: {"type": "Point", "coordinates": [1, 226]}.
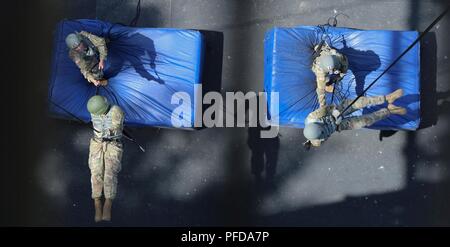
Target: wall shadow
{"type": "Point", "coordinates": [428, 74]}
{"type": "Point", "coordinates": [211, 77]}
{"type": "Point", "coordinates": [264, 155]}
{"type": "Point", "coordinates": [212, 61]}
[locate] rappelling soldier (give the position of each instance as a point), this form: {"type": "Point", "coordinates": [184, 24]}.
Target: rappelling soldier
{"type": "Point", "coordinates": [323, 122]}
{"type": "Point", "coordinates": [89, 52]}
{"type": "Point", "coordinates": [330, 67]}
{"type": "Point", "coordinates": [105, 153]}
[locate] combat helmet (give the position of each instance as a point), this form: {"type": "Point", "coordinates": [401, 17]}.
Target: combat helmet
{"type": "Point", "coordinates": [97, 105]}
{"type": "Point", "coordinates": [328, 63]}
{"type": "Point", "coordinates": [314, 131]}
{"type": "Point", "coordinates": [73, 40]}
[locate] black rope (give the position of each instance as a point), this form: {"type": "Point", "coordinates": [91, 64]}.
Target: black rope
{"type": "Point", "coordinates": [398, 58]}
{"type": "Point", "coordinates": [128, 136]}
{"type": "Point", "coordinates": [334, 19]}
{"type": "Point", "coordinates": [302, 98]}
{"type": "Point", "coordinates": [331, 22]}
{"type": "Point", "coordinates": [312, 103]}
{"type": "Point", "coordinates": [135, 20]}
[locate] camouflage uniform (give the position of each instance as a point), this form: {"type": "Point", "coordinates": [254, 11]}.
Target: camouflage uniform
{"type": "Point", "coordinates": [322, 78]}
{"type": "Point", "coordinates": [88, 60]}
{"type": "Point", "coordinates": [349, 123]}
{"type": "Point", "coordinates": [105, 152]}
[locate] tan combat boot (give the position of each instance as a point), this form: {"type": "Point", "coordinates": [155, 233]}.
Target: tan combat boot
{"type": "Point", "coordinates": [393, 109]}
{"type": "Point", "coordinates": [98, 209]}
{"type": "Point", "coordinates": [390, 98]}
{"type": "Point", "coordinates": [107, 210]}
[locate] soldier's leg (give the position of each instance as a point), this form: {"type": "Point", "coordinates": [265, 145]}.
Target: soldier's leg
{"type": "Point", "coordinates": [364, 120]}
{"type": "Point", "coordinates": [344, 105]}
{"type": "Point", "coordinates": [363, 102]}
{"type": "Point", "coordinates": [113, 158]}
{"type": "Point", "coordinates": [360, 103]}
{"type": "Point", "coordinates": [98, 209]}
{"type": "Point", "coordinates": [257, 162]}
{"type": "Point", "coordinates": [96, 167]}
{"type": "Point", "coordinates": [368, 101]}
{"type": "Point", "coordinates": [390, 98]}
{"type": "Point", "coordinates": [272, 157]}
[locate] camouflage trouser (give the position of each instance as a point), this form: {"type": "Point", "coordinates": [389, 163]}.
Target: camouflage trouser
{"type": "Point", "coordinates": [366, 120]}
{"type": "Point", "coordinates": [104, 163]}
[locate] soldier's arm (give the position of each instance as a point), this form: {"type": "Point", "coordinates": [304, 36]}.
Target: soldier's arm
{"type": "Point", "coordinates": [99, 42]}
{"type": "Point", "coordinates": [321, 96]}
{"type": "Point", "coordinates": [320, 90]}
{"type": "Point", "coordinates": [118, 117]}
{"type": "Point", "coordinates": [82, 65]}
{"type": "Point", "coordinates": [321, 81]}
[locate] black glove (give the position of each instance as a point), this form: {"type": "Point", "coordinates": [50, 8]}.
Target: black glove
{"type": "Point", "coordinates": [307, 145]}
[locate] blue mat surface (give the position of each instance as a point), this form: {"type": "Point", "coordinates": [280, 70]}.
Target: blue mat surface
{"type": "Point", "coordinates": [144, 67]}
{"type": "Point", "coordinates": [287, 70]}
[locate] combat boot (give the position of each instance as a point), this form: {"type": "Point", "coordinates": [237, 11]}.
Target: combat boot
{"type": "Point", "coordinates": [98, 209]}
{"type": "Point", "coordinates": [107, 210]}
{"type": "Point", "coordinates": [393, 109]}
{"type": "Point", "coordinates": [390, 98]}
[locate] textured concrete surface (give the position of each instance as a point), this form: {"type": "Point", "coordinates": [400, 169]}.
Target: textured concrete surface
{"type": "Point", "coordinates": [192, 178]}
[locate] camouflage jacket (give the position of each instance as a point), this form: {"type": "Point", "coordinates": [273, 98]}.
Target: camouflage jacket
{"type": "Point", "coordinates": [86, 61]}
{"type": "Point", "coordinates": [109, 125]}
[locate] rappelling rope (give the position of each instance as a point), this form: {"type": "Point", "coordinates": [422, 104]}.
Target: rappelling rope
{"type": "Point", "coordinates": [135, 20]}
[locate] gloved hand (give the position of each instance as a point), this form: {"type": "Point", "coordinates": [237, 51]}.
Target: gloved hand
{"type": "Point", "coordinates": [336, 115]}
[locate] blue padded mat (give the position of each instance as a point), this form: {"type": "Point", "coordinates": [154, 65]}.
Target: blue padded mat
{"type": "Point", "coordinates": [144, 67]}
{"type": "Point", "coordinates": [287, 70]}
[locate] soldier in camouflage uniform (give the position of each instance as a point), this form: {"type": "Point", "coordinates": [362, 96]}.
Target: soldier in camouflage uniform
{"type": "Point", "coordinates": [330, 67]}
{"type": "Point", "coordinates": [89, 53]}
{"type": "Point", "coordinates": [323, 122]}
{"type": "Point", "coordinates": [105, 153]}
